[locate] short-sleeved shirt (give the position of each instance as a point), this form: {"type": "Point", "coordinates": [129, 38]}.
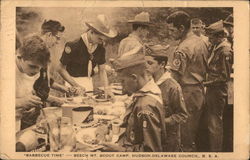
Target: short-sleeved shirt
{"type": "Point", "coordinates": [190, 60]}
{"type": "Point", "coordinates": [76, 58]}
{"type": "Point", "coordinates": [129, 43]}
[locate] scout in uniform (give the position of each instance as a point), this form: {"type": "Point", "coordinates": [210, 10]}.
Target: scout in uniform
{"type": "Point", "coordinates": [219, 63]}
{"type": "Point", "coordinates": [175, 109]}
{"type": "Point", "coordinates": [189, 69]}
{"type": "Point", "coordinates": [133, 43]}
{"type": "Point", "coordinates": [228, 24]}
{"type": "Point", "coordinates": [228, 122]}
{"type": "Point", "coordinates": [81, 56]}
{"type": "Point", "coordinates": [197, 27]}
{"type": "Point", "coordinates": [144, 118]}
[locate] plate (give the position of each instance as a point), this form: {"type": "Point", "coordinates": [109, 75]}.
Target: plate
{"type": "Point", "coordinates": [87, 125]}
{"type": "Point", "coordinates": [89, 133]}
{"type": "Point", "coordinates": [102, 99]}
{"type": "Point", "coordinates": [106, 117]}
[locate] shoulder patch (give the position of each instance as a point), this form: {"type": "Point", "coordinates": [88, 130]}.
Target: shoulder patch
{"type": "Point", "coordinates": [176, 62]}
{"type": "Point", "coordinates": [67, 50]}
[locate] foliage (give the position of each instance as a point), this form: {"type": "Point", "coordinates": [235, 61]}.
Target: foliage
{"type": "Point", "coordinates": [29, 20]}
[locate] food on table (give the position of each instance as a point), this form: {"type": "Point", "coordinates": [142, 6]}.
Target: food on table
{"type": "Point", "coordinates": [101, 112]}
{"type": "Point", "coordinates": [103, 133]}
{"type": "Point", "coordinates": [89, 140]}
{"type": "Point", "coordinates": [70, 99]}
{"type": "Point", "coordinates": [102, 96]}
{"type": "Point", "coordinates": [75, 91]}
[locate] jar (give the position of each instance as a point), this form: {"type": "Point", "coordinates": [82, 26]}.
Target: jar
{"type": "Point", "coordinates": [61, 135]}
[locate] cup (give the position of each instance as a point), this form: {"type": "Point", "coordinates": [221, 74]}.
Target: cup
{"type": "Point", "coordinates": [67, 109]}
{"type": "Point", "coordinates": [28, 140]}
{"type": "Point", "coordinates": [82, 114]}
{"type": "Point", "coordinates": [62, 134]}
{"type": "Point", "coordinates": [116, 126]}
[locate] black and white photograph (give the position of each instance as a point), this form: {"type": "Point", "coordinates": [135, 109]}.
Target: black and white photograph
{"type": "Point", "coordinates": [124, 79]}
{"type": "Point", "coordinates": [120, 79]}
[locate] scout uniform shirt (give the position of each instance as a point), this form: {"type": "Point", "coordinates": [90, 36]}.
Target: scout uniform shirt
{"type": "Point", "coordinates": [130, 45]}
{"type": "Point", "coordinates": [175, 110]}
{"type": "Point", "coordinates": [216, 93]}
{"type": "Point", "coordinates": [145, 127]}
{"type": "Point", "coordinates": [220, 63]}
{"type": "Point", "coordinates": [190, 64]}
{"type": "Point", "coordinates": [190, 60]}
{"type": "Point", "coordinates": [81, 59]}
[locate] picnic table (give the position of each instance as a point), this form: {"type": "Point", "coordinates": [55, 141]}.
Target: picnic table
{"type": "Point", "coordinates": [82, 138]}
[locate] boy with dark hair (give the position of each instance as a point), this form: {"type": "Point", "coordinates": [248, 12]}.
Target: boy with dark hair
{"type": "Point", "coordinates": [51, 32]}
{"type": "Point", "coordinates": [32, 56]}
{"type": "Point", "coordinates": [173, 101]}
{"type": "Point", "coordinates": [189, 69]}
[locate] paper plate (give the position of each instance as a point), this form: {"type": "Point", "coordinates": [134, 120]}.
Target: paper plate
{"type": "Point", "coordinates": [87, 125]}
{"type": "Point", "coordinates": [90, 133]}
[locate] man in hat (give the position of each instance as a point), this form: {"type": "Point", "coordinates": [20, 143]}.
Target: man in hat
{"type": "Point", "coordinates": [144, 118]}
{"type": "Point", "coordinates": [228, 24]}
{"type": "Point", "coordinates": [189, 69]}
{"type": "Point", "coordinates": [175, 109]}
{"type": "Point", "coordinates": [81, 56]}
{"type": "Point", "coordinates": [134, 42]}
{"type": "Point", "coordinates": [219, 63]}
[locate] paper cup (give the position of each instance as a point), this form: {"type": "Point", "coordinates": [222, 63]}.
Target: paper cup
{"type": "Point", "coordinates": [81, 115]}
{"type": "Point", "coordinates": [67, 109]}
{"type": "Point", "coordinates": [116, 126]}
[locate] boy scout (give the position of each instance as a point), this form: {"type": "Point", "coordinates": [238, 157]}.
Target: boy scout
{"type": "Point", "coordinates": [220, 62]}
{"type": "Point", "coordinates": [174, 105]}
{"type": "Point", "coordinates": [32, 56]}
{"type": "Point", "coordinates": [189, 69]}
{"type": "Point", "coordinates": [81, 56]}
{"type": "Point", "coordinates": [197, 27]}
{"type": "Point", "coordinates": [144, 120]}
{"type": "Point", "coordinates": [133, 43]}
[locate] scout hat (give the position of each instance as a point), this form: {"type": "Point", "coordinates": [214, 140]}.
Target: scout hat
{"type": "Point", "coordinates": [215, 28]}
{"type": "Point", "coordinates": [229, 20]}
{"type": "Point", "coordinates": [157, 51]}
{"type": "Point", "coordinates": [128, 61]}
{"type": "Point", "coordinates": [142, 18]}
{"type": "Point", "coordinates": [101, 25]}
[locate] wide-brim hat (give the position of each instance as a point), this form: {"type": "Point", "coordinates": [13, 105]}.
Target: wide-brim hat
{"type": "Point", "coordinates": [101, 25]}
{"type": "Point", "coordinates": [215, 27]}
{"type": "Point", "coordinates": [142, 19]}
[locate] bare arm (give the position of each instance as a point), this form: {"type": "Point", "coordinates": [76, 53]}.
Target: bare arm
{"type": "Point", "coordinates": [65, 75]}
{"type": "Point", "coordinates": [59, 87]}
